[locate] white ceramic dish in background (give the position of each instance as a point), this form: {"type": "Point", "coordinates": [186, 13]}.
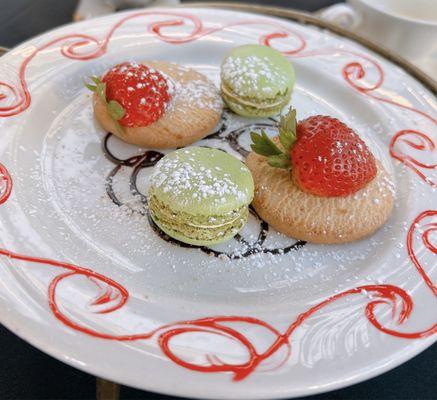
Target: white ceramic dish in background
{"type": "Point", "coordinates": [408, 28]}
{"type": "Point", "coordinates": [140, 292]}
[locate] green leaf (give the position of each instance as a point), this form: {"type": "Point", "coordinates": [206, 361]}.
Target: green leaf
{"type": "Point", "coordinates": [116, 110]}
{"type": "Point", "coordinates": [91, 87]}
{"type": "Point", "coordinates": [101, 91]}
{"type": "Point", "coordinates": [287, 129]}
{"type": "Point", "coordinates": [96, 79]}
{"type": "Point", "coordinates": [263, 145]}
{"type": "Point", "coordinates": [279, 161]}
{"type": "Point", "coordinates": [97, 82]}
{"type": "Point", "coordinates": [256, 137]}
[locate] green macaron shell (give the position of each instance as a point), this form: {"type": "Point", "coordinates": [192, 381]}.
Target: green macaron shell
{"type": "Point", "coordinates": [258, 75]}
{"type": "Point", "coordinates": [200, 195]}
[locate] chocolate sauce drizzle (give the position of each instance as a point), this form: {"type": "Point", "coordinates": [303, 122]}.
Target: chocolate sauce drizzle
{"type": "Point", "coordinates": [150, 157]}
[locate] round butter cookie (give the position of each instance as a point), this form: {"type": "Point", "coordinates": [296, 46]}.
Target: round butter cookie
{"type": "Point", "coordinates": [318, 181]}
{"type": "Point", "coordinates": [156, 104]}
{"type": "Point", "coordinates": [316, 219]}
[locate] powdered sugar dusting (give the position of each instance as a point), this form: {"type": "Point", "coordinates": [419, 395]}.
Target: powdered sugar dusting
{"type": "Point", "coordinates": [248, 74]}
{"type": "Point", "coordinates": [198, 94]}
{"type": "Point", "coordinates": [184, 176]}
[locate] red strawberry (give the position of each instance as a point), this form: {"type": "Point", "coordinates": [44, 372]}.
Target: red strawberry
{"type": "Point", "coordinates": [327, 158]}
{"type": "Point", "coordinates": [137, 95]}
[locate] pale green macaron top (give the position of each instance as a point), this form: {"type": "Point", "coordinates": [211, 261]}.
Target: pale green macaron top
{"type": "Point", "coordinates": [201, 181]}
{"type": "Point", "coordinates": [257, 72]}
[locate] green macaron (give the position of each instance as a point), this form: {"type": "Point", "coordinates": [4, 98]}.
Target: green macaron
{"type": "Point", "coordinates": [200, 196]}
{"type": "Point", "coordinates": [256, 81]}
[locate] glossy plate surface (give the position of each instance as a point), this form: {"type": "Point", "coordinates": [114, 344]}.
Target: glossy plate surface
{"type": "Point", "coordinates": [86, 278]}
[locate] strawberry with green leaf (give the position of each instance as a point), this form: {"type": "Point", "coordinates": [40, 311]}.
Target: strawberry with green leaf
{"type": "Point", "coordinates": [325, 156]}
{"type": "Point", "coordinates": [134, 94]}
{"type": "Point", "coordinates": [115, 109]}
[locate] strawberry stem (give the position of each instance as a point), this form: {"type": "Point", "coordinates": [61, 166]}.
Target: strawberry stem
{"type": "Point", "coordinates": [287, 129]}
{"type": "Point", "coordinates": [266, 147]}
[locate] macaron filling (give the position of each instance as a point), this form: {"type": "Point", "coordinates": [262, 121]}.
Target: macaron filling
{"type": "Point", "coordinates": [247, 101]}
{"type": "Point", "coordinates": [248, 107]}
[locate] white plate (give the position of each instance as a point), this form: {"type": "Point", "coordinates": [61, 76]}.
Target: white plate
{"type": "Point", "coordinates": [148, 313]}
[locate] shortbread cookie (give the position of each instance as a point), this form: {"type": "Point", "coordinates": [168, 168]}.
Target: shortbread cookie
{"type": "Point", "coordinates": [316, 219]}
{"type": "Point", "coordinates": [165, 105]}
{"type": "Point", "coordinates": [318, 181]}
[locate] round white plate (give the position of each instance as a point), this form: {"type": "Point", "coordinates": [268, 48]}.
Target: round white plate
{"type": "Point", "coordinates": [91, 283]}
